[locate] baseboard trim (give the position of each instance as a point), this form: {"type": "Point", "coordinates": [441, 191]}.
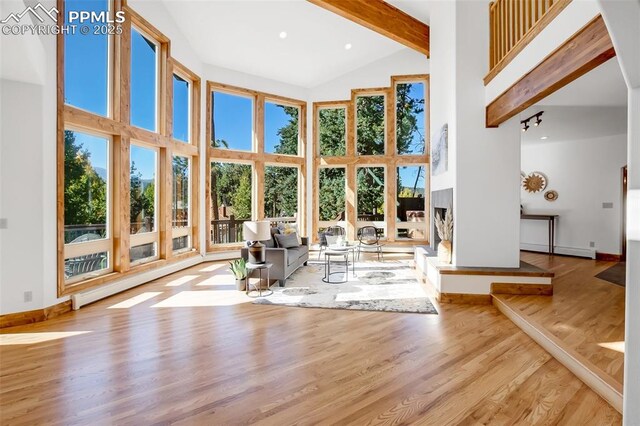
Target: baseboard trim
{"type": "Point", "coordinates": [464, 298]}
{"type": "Point", "coordinates": [585, 370]}
{"type": "Point", "coordinates": [522, 289]}
{"type": "Point", "coordinates": [608, 257]}
{"type": "Point", "coordinates": [567, 251]}
{"type": "Point", "coordinates": [37, 315]}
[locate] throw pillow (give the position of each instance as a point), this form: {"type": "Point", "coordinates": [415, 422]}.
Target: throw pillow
{"type": "Point", "coordinates": [287, 240]}
{"type": "Point", "coordinates": [290, 228]}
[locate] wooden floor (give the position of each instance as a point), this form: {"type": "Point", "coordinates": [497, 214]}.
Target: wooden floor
{"type": "Point", "coordinates": [585, 312]}
{"type": "Point", "coordinates": [189, 349]}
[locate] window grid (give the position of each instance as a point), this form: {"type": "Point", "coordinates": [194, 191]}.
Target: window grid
{"type": "Point", "coordinates": [116, 125]}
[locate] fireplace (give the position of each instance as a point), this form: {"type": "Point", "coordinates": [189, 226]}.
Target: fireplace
{"type": "Point", "coordinates": [440, 202]}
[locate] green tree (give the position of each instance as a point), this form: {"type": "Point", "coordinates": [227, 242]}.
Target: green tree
{"type": "Point", "coordinates": [331, 132]}
{"type": "Point", "coordinates": [141, 200]}
{"type": "Point", "coordinates": [85, 192]}
{"type": "Point", "coordinates": [370, 125]}
{"type": "Point", "coordinates": [409, 138]}
{"type": "Point", "coordinates": [331, 194]}
{"type": "Point", "coordinates": [281, 183]}
{"type": "Point", "coordinates": [370, 190]}
{"type": "Point", "coordinates": [242, 196]}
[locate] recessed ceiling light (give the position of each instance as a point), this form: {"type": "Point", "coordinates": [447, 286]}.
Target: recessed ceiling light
{"type": "Point", "coordinates": [283, 34]}
{"type": "Point", "coordinates": [544, 137]}
{"type": "Point", "coordinates": [347, 46]}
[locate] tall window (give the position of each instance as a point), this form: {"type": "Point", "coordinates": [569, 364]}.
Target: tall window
{"type": "Point", "coordinates": [256, 161]}
{"type": "Point", "coordinates": [370, 124]}
{"type": "Point", "coordinates": [144, 81]}
{"type": "Point", "coordinates": [134, 135]}
{"type": "Point", "coordinates": [332, 131]}
{"type": "Point", "coordinates": [280, 192]}
{"type": "Point", "coordinates": [86, 65]}
{"type": "Point", "coordinates": [331, 195]}
{"type": "Point", "coordinates": [231, 201]}
{"type": "Point", "coordinates": [371, 196]}
{"type": "Point", "coordinates": [143, 203]}
{"type": "Point", "coordinates": [86, 205]}
{"type": "Point", "coordinates": [232, 125]}
{"type": "Point", "coordinates": [411, 193]}
{"type": "Point", "coordinates": [410, 118]}
{"type": "Point", "coordinates": [181, 203]}
{"type": "Point", "coordinates": [281, 134]}
{"type": "Point", "coordinates": [181, 109]}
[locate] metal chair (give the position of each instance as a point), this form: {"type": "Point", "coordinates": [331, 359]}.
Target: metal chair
{"type": "Point", "coordinates": [330, 231]}
{"type": "Point", "coordinates": [369, 241]}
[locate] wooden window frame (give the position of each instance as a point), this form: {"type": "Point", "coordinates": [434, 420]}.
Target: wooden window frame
{"type": "Point", "coordinates": [120, 131]}
{"type": "Point", "coordinates": [390, 160]}
{"type": "Point", "coordinates": [257, 157]}
{"type": "Point", "coordinates": [363, 93]}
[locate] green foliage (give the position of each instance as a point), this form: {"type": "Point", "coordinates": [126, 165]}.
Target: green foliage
{"type": "Point", "coordinates": [238, 268]}
{"type": "Point", "coordinates": [280, 191]}
{"type": "Point", "coordinates": [332, 130]}
{"type": "Point", "coordinates": [85, 192]}
{"type": "Point", "coordinates": [409, 140]}
{"type": "Point", "coordinates": [331, 194]}
{"type": "Point", "coordinates": [141, 200]}
{"type": "Point", "coordinates": [231, 186]}
{"type": "Point", "coordinates": [289, 134]}
{"type": "Point", "coordinates": [370, 190]}
{"type": "Point", "coordinates": [281, 183]}
{"type": "Point", "coordinates": [370, 125]}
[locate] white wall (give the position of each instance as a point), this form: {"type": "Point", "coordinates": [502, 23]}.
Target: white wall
{"type": "Point", "coordinates": [585, 173]}
{"type": "Point", "coordinates": [28, 179]}
{"type": "Point", "coordinates": [484, 163]}
{"type": "Point", "coordinates": [622, 20]}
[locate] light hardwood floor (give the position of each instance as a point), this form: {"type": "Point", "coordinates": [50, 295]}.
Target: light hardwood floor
{"type": "Point", "coordinates": [195, 351]}
{"type": "Point", "coordinates": [585, 312]}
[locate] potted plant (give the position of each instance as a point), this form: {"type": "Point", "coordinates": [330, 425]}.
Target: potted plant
{"type": "Point", "coordinates": [239, 270]}
{"type": "Point", "coordinates": [445, 232]}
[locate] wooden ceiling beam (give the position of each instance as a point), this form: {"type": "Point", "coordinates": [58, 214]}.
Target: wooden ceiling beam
{"type": "Point", "coordinates": [590, 47]}
{"type": "Point", "coordinates": [383, 18]}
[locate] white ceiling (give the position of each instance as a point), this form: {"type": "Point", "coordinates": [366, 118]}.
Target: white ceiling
{"type": "Point", "coordinates": [593, 106]}
{"type": "Point", "coordinates": [419, 9]}
{"type": "Point", "coordinates": [603, 86]}
{"type": "Point", "coordinates": [569, 123]}
{"type": "Point", "coordinates": [244, 36]}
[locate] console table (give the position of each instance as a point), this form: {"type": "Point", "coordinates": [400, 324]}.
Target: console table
{"type": "Point", "coordinates": [551, 220]}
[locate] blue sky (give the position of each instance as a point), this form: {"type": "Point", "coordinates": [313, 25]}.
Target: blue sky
{"type": "Point", "coordinates": [233, 118]}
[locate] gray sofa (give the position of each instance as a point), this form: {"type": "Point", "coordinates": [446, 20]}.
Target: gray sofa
{"type": "Point", "coordinates": [285, 261]}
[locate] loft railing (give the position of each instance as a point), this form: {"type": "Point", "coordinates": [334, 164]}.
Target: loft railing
{"type": "Point", "coordinates": [513, 24]}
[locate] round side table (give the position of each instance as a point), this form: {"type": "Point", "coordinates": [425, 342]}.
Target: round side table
{"type": "Point", "coordinates": [258, 287]}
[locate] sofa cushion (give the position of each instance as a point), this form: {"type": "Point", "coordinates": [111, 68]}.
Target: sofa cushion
{"type": "Point", "coordinates": [287, 241]}
{"type": "Point", "coordinates": [293, 254]}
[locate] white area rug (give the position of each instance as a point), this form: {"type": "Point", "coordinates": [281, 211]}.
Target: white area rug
{"type": "Point", "coordinates": [378, 286]}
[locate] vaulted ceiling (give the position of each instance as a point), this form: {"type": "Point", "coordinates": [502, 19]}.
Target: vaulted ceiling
{"type": "Point", "coordinates": [245, 36]}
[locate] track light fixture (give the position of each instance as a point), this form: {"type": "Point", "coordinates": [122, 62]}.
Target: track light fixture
{"type": "Point", "coordinates": [525, 122]}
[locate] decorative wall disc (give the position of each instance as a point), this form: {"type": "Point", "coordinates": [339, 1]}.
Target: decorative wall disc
{"type": "Point", "coordinates": [551, 195]}
{"type": "Point", "coordinates": [535, 182]}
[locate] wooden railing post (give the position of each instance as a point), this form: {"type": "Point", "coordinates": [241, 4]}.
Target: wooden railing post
{"type": "Point", "coordinates": [513, 24]}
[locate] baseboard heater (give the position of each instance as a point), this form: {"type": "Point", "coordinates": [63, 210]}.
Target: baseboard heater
{"type": "Point", "coordinates": [95, 294]}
